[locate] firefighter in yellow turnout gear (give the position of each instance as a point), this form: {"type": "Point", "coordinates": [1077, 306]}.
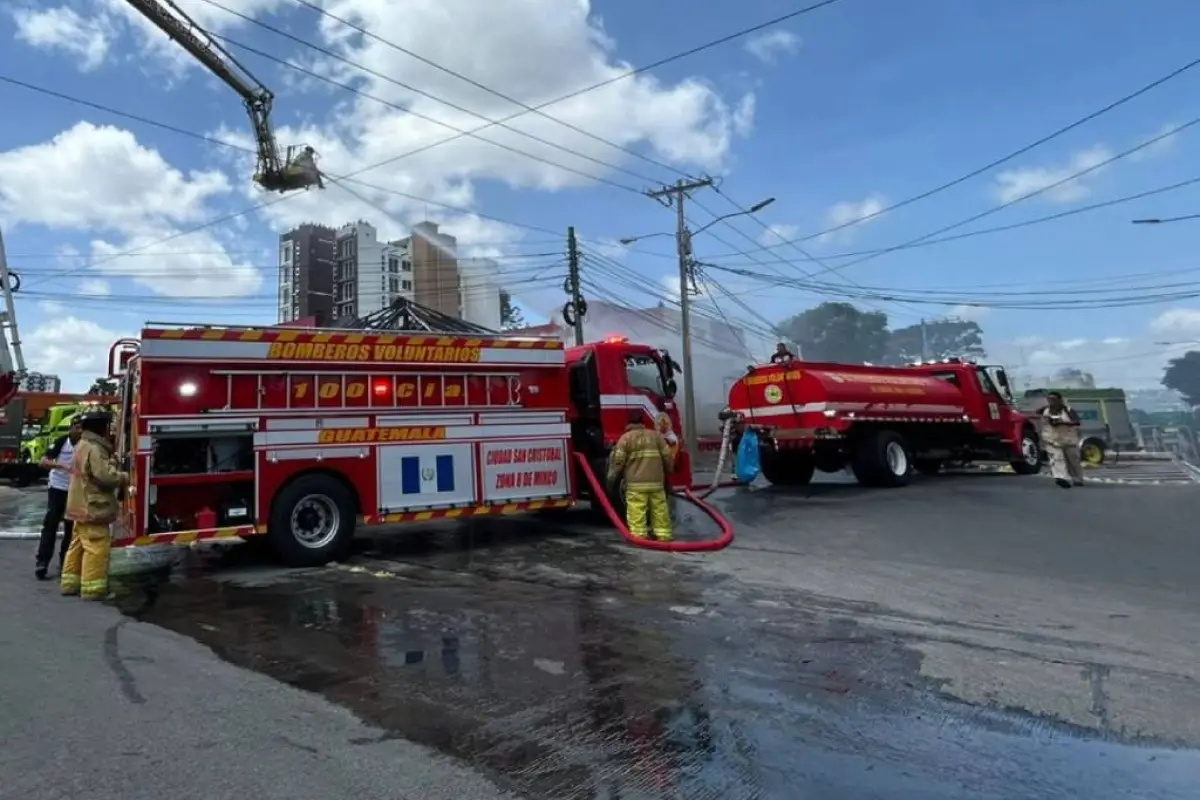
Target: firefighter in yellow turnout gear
{"type": "Point", "coordinates": [92, 505]}
{"type": "Point", "coordinates": [644, 459]}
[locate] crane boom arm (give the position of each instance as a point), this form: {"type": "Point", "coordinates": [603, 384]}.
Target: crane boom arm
{"type": "Point", "coordinates": [202, 46]}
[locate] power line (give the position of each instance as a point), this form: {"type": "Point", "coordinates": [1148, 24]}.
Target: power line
{"type": "Point", "coordinates": [1029, 195]}
{"type": "Point", "coordinates": [571, 95]}
{"type": "Point", "coordinates": [1010, 156]}
{"type": "Point", "coordinates": [988, 231]}
{"type": "Point", "coordinates": [539, 109]}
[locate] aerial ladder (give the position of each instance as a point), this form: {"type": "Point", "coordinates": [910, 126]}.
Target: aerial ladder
{"type": "Point", "coordinates": [298, 169]}
{"type": "Point", "coordinates": [12, 361]}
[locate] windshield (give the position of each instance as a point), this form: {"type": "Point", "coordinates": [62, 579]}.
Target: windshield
{"type": "Point", "coordinates": [993, 380]}
{"type": "Point", "coordinates": [645, 373]}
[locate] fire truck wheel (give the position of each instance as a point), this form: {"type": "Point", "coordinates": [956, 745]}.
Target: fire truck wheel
{"type": "Point", "coordinates": [312, 521]}
{"type": "Point", "coordinates": [1032, 455]}
{"type": "Point", "coordinates": [882, 458]}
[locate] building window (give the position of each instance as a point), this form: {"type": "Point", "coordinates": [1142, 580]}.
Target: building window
{"type": "Point", "coordinates": [406, 285]}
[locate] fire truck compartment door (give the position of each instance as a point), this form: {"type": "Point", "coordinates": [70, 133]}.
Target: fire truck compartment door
{"type": "Point", "coordinates": [528, 470]}
{"type": "Point", "coordinates": [426, 476]}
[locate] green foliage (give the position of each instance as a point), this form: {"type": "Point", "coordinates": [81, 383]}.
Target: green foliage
{"type": "Point", "coordinates": [107, 387]}
{"type": "Point", "coordinates": [511, 317]}
{"type": "Point", "coordinates": [839, 332]}
{"type": "Point", "coordinates": [944, 338]}
{"type": "Point", "coordinates": [1183, 375]}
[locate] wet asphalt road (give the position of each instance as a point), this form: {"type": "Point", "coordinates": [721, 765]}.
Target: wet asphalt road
{"type": "Point", "coordinates": [982, 636]}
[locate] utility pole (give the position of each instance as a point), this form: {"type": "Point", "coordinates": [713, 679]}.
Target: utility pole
{"type": "Point", "coordinates": [924, 341]}
{"type": "Point", "coordinates": [576, 307]}
{"type": "Point", "coordinates": [683, 241]}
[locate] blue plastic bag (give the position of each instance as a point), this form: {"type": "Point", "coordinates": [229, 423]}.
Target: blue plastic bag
{"type": "Point", "coordinates": [746, 465]}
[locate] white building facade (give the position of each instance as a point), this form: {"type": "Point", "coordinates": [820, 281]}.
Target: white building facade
{"type": "Point", "coordinates": [479, 292]}
{"type": "Point", "coordinates": [368, 274]}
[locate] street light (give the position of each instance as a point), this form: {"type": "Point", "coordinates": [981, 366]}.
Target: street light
{"type": "Point", "coordinates": [754, 209]}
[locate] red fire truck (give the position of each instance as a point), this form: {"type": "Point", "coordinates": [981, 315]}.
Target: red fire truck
{"type": "Point", "coordinates": [882, 422]}
{"type": "Point", "coordinates": [302, 434]}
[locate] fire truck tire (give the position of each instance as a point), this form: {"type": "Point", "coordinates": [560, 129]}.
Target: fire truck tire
{"type": "Point", "coordinates": [882, 459]}
{"type": "Point", "coordinates": [787, 468]}
{"type": "Point", "coordinates": [312, 520]}
{"type": "Point", "coordinates": [1031, 464]}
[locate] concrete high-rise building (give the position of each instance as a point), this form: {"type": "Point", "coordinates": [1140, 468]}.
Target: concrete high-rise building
{"type": "Point", "coordinates": [368, 274]}
{"type": "Point", "coordinates": [40, 382]}
{"type": "Point", "coordinates": [479, 294]}
{"type": "Point", "coordinates": [435, 268]}
{"type": "Point", "coordinates": [306, 274]}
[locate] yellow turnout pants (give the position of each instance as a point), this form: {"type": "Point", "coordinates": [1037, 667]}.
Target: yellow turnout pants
{"type": "Point", "coordinates": [642, 502]}
{"type": "Point", "coordinates": [85, 569]}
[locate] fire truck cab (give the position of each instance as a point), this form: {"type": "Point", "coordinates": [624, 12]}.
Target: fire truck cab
{"type": "Point", "coordinates": [301, 435]}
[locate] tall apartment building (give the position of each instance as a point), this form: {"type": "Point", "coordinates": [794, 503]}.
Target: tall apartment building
{"type": "Point", "coordinates": [306, 274]}
{"type": "Point", "coordinates": [41, 382]}
{"type": "Point", "coordinates": [435, 268]}
{"type": "Point", "coordinates": [368, 274]}
{"type": "Point", "coordinates": [479, 293]}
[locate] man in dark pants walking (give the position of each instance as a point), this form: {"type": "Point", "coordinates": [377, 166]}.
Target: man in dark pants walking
{"type": "Point", "coordinates": [58, 460]}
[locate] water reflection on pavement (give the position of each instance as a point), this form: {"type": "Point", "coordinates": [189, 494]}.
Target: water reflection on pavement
{"type": "Point", "coordinates": [568, 668]}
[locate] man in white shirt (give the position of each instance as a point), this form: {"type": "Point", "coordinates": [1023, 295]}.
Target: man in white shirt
{"type": "Point", "coordinates": [1060, 435]}
{"type": "Point", "coordinates": [58, 461]}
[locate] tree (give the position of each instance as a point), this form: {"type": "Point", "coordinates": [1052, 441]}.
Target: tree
{"type": "Point", "coordinates": [1183, 375]}
{"type": "Point", "coordinates": [511, 317]}
{"type": "Point", "coordinates": [1072, 378]}
{"type": "Point", "coordinates": [107, 387]}
{"type": "Point", "coordinates": [838, 332]}
{"type": "Point", "coordinates": [944, 338]}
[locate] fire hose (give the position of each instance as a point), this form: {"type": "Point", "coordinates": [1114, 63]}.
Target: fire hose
{"type": "Point", "coordinates": [601, 497]}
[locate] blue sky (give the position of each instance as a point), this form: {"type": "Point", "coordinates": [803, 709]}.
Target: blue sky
{"type": "Point", "coordinates": [862, 102]}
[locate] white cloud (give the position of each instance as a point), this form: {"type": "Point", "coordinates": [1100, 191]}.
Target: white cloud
{"type": "Point", "coordinates": [772, 45]}
{"type": "Point", "coordinates": [535, 50]}
{"type": "Point", "coordinates": [129, 197]}
{"type": "Point", "coordinates": [970, 313]}
{"type": "Point", "coordinates": [1120, 361]}
{"type": "Point", "coordinates": [848, 213]}
{"type": "Point", "coordinates": [74, 349]}
{"type": "Point", "coordinates": [126, 194]}
{"type": "Point", "coordinates": [62, 28]}
{"type": "Point", "coordinates": [1161, 147]}
{"type": "Point", "coordinates": [1014, 184]}
{"type": "Point", "coordinates": [94, 287]}
{"type": "Point", "coordinates": [775, 235]}
{"type": "Point", "coordinates": [1177, 322]}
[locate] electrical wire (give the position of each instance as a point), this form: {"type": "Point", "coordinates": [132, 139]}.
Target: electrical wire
{"type": "Point", "coordinates": [539, 109]}
{"type": "Point", "coordinates": [734, 36]}
{"type": "Point", "coordinates": [1006, 158]}
{"type": "Point", "coordinates": [988, 231]}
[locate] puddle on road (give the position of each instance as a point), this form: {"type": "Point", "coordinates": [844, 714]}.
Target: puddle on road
{"type": "Point", "coordinates": [21, 510]}
{"type": "Point", "coordinates": [569, 670]}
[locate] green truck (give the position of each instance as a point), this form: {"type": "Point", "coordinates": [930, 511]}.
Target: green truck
{"type": "Point", "coordinates": [1104, 423]}
{"type": "Point", "coordinates": [58, 420]}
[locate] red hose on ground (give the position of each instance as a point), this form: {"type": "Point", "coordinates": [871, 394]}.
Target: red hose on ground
{"type": "Point", "coordinates": [720, 543]}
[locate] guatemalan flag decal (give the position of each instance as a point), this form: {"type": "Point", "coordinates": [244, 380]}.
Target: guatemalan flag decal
{"type": "Point", "coordinates": [426, 474]}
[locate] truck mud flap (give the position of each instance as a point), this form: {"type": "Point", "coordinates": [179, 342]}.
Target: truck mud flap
{"type": "Point", "coordinates": [720, 543]}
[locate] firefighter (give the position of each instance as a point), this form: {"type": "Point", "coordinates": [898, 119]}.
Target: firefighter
{"type": "Point", "coordinates": [58, 461]}
{"type": "Point", "coordinates": [92, 505]}
{"type": "Point", "coordinates": [1060, 425]}
{"type": "Point", "coordinates": [643, 459]}
{"type": "Point", "coordinates": [782, 354]}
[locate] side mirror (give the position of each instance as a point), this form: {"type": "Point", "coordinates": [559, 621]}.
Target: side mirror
{"type": "Point", "coordinates": [671, 387]}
